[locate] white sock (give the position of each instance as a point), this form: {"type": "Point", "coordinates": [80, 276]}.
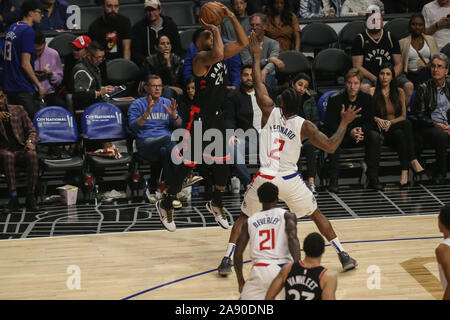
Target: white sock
{"type": "Point", "coordinates": [230, 250]}
{"type": "Point", "coordinates": [337, 245]}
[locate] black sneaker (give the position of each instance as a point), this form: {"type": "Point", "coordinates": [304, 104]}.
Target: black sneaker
{"type": "Point", "coordinates": [31, 203]}
{"type": "Point", "coordinates": [13, 205]}
{"type": "Point", "coordinates": [225, 267]}
{"type": "Point", "coordinates": [348, 263]}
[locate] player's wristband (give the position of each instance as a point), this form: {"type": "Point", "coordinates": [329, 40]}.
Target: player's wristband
{"type": "Point", "coordinates": [176, 118]}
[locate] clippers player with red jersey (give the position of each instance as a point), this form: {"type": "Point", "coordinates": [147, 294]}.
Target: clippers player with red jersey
{"type": "Point", "coordinates": [272, 233]}
{"type": "Point", "coordinates": [307, 279]}
{"type": "Point", "coordinates": [210, 79]}
{"type": "Point", "coordinates": [280, 142]}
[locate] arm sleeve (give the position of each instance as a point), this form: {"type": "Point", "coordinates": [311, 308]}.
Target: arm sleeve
{"type": "Point", "coordinates": [57, 76]}
{"type": "Point", "coordinates": [235, 70]}
{"type": "Point", "coordinates": [357, 49]}
{"type": "Point", "coordinates": [133, 116]}
{"type": "Point", "coordinates": [81, 85]}
{"type": "Point", "coordinates": [188, 60]}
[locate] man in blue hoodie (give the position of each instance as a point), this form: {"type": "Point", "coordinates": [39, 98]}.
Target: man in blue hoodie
{"type": "Point", "coordinates": [153, 119]}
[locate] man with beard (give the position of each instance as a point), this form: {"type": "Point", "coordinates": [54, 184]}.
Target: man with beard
{"type": "Point", "coordinates": [112, 31]}
{"type": "Point", "coordinates": [146, 32]}
{"type": "Point", "coordinates": [242, 112]}
{"type": "Point", "coordinates": [373, 47]}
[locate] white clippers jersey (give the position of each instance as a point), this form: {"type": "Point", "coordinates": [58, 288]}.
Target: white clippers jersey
{"type": "Point", "coordinates": [441, 271]}
{"type": "Point", "coordinates": [280, 143]}
{"type": "Point", "coordinates": [268, 238]}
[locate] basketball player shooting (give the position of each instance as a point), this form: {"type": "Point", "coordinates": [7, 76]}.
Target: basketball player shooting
{"type": "Point", "coordinates": [210, 75]}
{"type": "Point", "coordinates": [280, 143]}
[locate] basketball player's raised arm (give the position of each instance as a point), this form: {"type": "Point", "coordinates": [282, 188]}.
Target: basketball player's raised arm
{"type": "Point", "coordinates": [443, 258]}
{"type": "Point", "coordinates": [241, 243]}
{"type": "Point", "coordinates": [278, 283]}
{"type": "Point", "coordinates": [320, 140]}
{"type": "Point", "coordinates": [241, 42]}
{"type": "Point", "coordinates": [203, 59]}
{"type": "Point", "coordinates": [291, 231]}
{"type": "Point", "coordinates": [263, 99]}
{"type": "Point", "coordinates": [328, 284]}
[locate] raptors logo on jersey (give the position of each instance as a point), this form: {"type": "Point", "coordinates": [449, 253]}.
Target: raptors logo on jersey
{"type": "Point", "coordinates": [211, 89]}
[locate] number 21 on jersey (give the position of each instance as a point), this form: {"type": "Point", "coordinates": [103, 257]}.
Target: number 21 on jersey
{"type": "Point", "coordinates": [268, 242]}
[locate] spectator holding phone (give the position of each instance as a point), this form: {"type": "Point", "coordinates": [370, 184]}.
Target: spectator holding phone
{"type": "Point", "coordinates": [48, 70]}
{"type": "Point", "coordinates": [87, 81]}
{"type": "Point", "coordinates": [437, 21]}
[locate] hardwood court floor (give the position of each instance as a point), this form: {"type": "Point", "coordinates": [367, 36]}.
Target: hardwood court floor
{"type": "Point", "coordinates": [181, 265]}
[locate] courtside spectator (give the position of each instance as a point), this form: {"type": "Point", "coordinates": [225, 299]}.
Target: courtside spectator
{"type": "Point", "coordinates": [239, 9]}
{"type": "Point", "coordinates": [437, 22]}
{"type": "Point", "coordinates": [113, 31]}
{"type": "Point", "coordinates": [87, 81]}
{"type": "Point", "coordinates": [55, 15]}
{"type": "Point", "coordinates": [145, 32]}
{"type": "Point", "coordinates": [319, 8]}
{"type": "Point", "coordinates": [417, 50]}
{"type": "Point", "coordinates": [282, 25]}
{"type": "Point", "coordinates": [352, 8]}
{"type": "Point", "coordinates": [373, 47]}
{"type": "Point", "coordinates": [165, 64]}
{"type": "Point", "coordinates": [431, 108]}
{"type": "Point", "coordinates": [19, 81]}
{"type": "Point", "coordinates": [9, 13]}
{"type": "Point", "coordinates": [48, 69]}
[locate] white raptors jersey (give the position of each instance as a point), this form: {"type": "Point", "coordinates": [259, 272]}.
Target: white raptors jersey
{"type": "Point", "coordinates": [280, 143]}
{"type": "Point", "coordinates": [441, 271]}
{"type": "Point", "coordinates": [268, 238]}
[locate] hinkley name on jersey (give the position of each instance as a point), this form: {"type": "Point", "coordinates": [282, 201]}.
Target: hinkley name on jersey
{"type": "Point", "coordinates": [302, 280]}
{"type": "Point", "coordinates": [265, 221]}
{"type": "Point", "coordinates": [285, 131]}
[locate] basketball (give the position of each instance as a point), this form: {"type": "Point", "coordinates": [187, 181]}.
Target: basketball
{"type": "Point", "coordinates": [211, 13]}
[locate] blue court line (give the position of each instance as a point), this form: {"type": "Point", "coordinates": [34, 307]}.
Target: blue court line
{"type": "Point", "coordinates": [209, 271]}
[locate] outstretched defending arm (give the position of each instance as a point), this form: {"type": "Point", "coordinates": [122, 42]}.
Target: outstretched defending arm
{"type": "Point", "coordinates": [263, 99]}
{"type": "Point", "coordinates": [241, 42]}
{"type": "Point", "coordinates": [320, 140]}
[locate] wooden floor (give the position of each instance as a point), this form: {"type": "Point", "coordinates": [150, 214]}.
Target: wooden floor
{"type": "Point", "coordinates": [180, 265]}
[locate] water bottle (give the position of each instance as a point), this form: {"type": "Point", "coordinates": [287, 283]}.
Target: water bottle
{"type": "Point", "coordinates": [145, 189]}
{"type": "Point", "coordinates": [97, 195]}
{"type": "Point", "coordinates": [195, 190]}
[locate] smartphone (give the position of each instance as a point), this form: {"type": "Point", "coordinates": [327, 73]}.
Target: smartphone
{"type": "Point", "coordinates": [116, 91]}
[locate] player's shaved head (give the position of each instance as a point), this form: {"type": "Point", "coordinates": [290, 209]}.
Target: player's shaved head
{"type": "Point", "coordinates": [268, 193]}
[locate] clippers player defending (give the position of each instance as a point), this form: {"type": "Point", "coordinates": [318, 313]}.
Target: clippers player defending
{"type": "Point", "coordinates": [280, 142]}
{"type": "Point", "coordinates": [443, 251]}
{"type": "Point", "coordinates": [307, 279]}
{"type": "Point", "coordinates": [210, 81]}
{"type": "Point", "coordinates": [272, 233]}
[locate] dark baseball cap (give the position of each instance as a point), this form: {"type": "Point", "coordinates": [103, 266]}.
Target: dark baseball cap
{"type": "Point", "coordinates": [31, 5]}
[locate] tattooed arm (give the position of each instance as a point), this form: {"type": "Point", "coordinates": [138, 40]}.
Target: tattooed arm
{"type": "Point", "coordinates": [320, 140]}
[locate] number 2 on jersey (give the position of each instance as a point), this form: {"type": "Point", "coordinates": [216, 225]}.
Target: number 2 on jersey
{"type": "Point", "coordinates": [270, 236]}
{"type": "Point", "coordinates": [280, 148]}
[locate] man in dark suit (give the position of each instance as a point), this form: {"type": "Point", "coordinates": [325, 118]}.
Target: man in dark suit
{"type": "Point", "coordinates": [361, 132]}
{"type": "Point", "coordinates": [18, 139]}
